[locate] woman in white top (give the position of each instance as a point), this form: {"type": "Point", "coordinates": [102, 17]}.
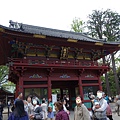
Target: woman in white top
{"type": "Point", "coordinates": [28, 106]}
{"type": "Point", "coordinates": [64, 107]}
{"type": "Point", "coordinates": [44, 110]}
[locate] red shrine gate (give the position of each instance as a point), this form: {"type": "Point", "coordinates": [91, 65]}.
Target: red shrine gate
{"type": "Point", "coordinates": [45, 61]}
{"type": "Point", "coordinates": [42, 78]}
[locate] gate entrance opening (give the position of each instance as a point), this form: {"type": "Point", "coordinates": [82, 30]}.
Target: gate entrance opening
{"type": "Point", "coordinates": [68, 88]}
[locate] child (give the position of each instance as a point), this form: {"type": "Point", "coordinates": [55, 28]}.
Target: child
{"type": "Point", "coordinates": [50, 113]}
{"type": "Point", "coordinates": [97, 105]}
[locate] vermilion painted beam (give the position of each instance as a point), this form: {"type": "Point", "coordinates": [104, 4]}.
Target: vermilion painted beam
{"type": "Point", "coordinates": [34, 86]}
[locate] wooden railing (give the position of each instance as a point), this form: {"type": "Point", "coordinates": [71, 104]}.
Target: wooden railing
{"type": "Point", "coordinates": [54, 62]}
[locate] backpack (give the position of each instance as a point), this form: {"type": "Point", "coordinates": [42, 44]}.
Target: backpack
{"type": "Point", "coordinates": [38, 114]}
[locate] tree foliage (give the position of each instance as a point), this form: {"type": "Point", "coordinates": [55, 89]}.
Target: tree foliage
{"type": "Point", "coordinates": [111, 82]}
{"type": "Point", "coordinates": [118, 74]}
{"type": "Point", "coordinates": [4, 82]}
{"type": "Point", "coordinates": [77, 25]}
{"type": "Point", "coordinates": [104, 24]}
{"type": "Point", "coordinates": [4, 70]}
{"type": "Point", "coordinates": [112, 25]}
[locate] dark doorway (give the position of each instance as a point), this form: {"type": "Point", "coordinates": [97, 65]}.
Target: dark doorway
{"type": "Point", "coordinates": [68, 88]}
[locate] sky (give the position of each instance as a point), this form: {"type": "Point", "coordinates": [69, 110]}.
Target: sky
{"type": "Point", "coordinates": [56, 14]}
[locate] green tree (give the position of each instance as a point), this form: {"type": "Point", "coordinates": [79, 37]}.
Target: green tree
{"type": "Point", "coordinates": [77, 25]}
{"type": "Point", "coordinates": [112, 25]}
{"type": "Point", "coordinates": [4, 82]}
{"type": "Point", "coordinates": [106, 24]}
{"type": "Point", "coordinates": [4, 70]}
{"type": "Point", "coordinates": [111, 82]}
{"type": "Point", "coordinates": [9, 86]}
{"type": "Point", "coordinates": [95, 24]}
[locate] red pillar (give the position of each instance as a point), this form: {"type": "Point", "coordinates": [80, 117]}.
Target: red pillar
{"type": "Point", "coordinates": [100, 84]}
{"type": "Point", "coordinates": [16, 91]}
{"type": "Point", "coordinates": [20, 87]}
{"type": "Point", "coordinates": [49, 87]}
{"type": "Point", "coordinates": [80, 86]}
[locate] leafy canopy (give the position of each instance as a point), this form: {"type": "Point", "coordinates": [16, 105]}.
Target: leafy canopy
{"type": "Point", "coordinates": [104, 24]}
{"type": "Point", "coordinates": [77, 25]}
{"type": "Point", "coordinates": [4, 70]}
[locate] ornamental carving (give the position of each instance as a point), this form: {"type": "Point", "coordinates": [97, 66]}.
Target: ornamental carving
{"type": "Point", "coordinates": [78, 52]}
{"type": "Point", "coordinates": [89, 76]}
{"type": "Point", "coordinates": [48, 50]}
{"type": "Point", "coordinates": [97, 53]}
{"type": "Point", "coordinates": [35, 76]}
{"type": "Point", "coordinates": [64, 53]}
{"type": "Point", "coordinates": [64, 76]}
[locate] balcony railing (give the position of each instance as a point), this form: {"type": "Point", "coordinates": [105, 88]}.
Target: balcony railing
{"type": "Point", "coordinates": [54, 62]}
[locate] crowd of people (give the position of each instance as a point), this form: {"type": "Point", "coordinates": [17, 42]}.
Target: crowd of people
{"type": "Point", "coordinates": [100, 107]}
{"type": "Point", "coordinates": [30, 109]}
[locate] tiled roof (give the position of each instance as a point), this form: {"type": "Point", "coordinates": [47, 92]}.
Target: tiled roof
{"type": "Point", "coordinates": [52, 32]}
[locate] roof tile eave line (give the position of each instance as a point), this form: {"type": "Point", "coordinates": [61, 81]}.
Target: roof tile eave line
{"type": "Point", "coordinates": [63, 32]}
{"type": "Point", "coordinates": [56, 33]}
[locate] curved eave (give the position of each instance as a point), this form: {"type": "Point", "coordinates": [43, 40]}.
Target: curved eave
{"type": "Point", "coordinates": [30, 31]}
{"type": "Point", "coordinates": [35, 30]}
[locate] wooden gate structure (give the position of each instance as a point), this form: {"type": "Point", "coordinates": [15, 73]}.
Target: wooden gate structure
{"type": "Point", "coordinates": [42, 60]}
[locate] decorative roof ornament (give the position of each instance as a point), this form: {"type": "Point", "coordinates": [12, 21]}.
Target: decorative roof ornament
{"type": "Point", "coordinates": [15, 25]}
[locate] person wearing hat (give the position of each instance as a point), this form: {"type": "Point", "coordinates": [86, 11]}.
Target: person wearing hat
{"type": "Point", "coordinates": [50, 113]}
{"type": "Point", "coordinates": [50, 109]}
{"type": "Point", "coordinates": [100, 107]}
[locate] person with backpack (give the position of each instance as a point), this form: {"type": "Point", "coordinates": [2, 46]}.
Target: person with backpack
{"type": "Point", "coordinates": [61, 114]}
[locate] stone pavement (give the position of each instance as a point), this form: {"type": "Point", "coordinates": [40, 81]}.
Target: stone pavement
{"type": "Point", "coordinates": [115, 116]}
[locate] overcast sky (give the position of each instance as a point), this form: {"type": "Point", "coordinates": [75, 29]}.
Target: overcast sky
{"type": "Point", "coordinates": [57, 14]}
